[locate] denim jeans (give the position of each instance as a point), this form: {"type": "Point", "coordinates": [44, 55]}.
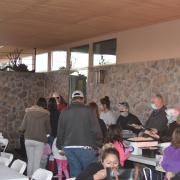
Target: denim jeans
{"type": "Point", "coordinates": [79, 159]}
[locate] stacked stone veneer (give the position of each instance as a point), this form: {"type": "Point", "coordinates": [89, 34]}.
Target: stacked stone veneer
{"type": "Point", "coordinates": [57, 81]}
{"type": "Point", "coordinates": [17, 91]}
{"type": "Point", "coordinates": [135, 83]}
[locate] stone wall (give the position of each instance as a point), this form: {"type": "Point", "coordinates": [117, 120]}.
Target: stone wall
{"type": "Point", "coordinates": [17, 92]}
{"type": "Point", "coordinates": [136, 83]}
{"type": "Point", "coordinates": [57, 81]}
{"type": "Point", "coordinates": [21, 90]}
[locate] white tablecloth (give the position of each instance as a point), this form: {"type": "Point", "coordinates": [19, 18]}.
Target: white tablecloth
{"type": "Point", "coordinates": [143, 160]}
{"type": "Point", "coordinates": [7, 173]}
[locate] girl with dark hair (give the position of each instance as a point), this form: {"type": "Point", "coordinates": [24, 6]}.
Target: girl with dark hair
{"type": "Point", "coordinates": [114, 136]}
{"type": "Point", "coordinates": [35, 126]}
{"type": "Point", "coordinates": [98, 170]}
{"type": "Point", "coordinates": [62, 104]}
{"type": "Point", "coordinates": [54, 116]}
{"type": "Point", "coordinates": [171, 157]}
{"type": "Point", "coordinates": [106, 114]}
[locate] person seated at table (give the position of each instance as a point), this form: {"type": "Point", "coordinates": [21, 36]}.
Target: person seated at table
{"type": "Point", "coordinates": [114, 136]}
{"type": "Point", "coordinates": [105, 112]}
{"type": "Point", "coordinates": [156, 125]}
{"type": "Point", "coordinates": [127, 120]}
{"type": "Point", "coordinates": [173, 116]}
{"type": "Point", "coordinates": [98, 170]}
{"type": "Point", "coordinates": [171, 157]}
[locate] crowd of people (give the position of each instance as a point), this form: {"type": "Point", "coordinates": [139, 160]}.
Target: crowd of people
{"type": "Point", "coordinates": [86, 140]}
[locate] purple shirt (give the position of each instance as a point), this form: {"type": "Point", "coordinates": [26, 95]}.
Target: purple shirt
{"type": "Point", "coordinates": [171, 159]}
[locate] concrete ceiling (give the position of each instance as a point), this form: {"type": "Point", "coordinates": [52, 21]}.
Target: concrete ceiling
{"type": "Point", "coordinates": [47, 23]}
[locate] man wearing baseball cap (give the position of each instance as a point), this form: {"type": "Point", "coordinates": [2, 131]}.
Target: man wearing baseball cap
{"type": "Point", "coordinates": [79, 134]}
{"type": "Point", "coordinates": [127, 120]}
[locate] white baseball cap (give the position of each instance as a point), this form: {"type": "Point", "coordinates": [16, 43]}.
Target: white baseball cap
{"type": "Point", "coordinates": [77, 94]}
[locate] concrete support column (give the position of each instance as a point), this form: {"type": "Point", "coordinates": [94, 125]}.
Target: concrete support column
{"type": "Point", "coordinates": [68, 60]}
{"type": "Point", "coordinates": [90, 55]}
{"type": "Point", "coordinates": [34, 60]}
{"type": "Point", "coordinates": [49, 61]}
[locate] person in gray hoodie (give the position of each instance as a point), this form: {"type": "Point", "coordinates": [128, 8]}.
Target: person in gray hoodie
{"type": "Point", "coordinates": [78, 134]}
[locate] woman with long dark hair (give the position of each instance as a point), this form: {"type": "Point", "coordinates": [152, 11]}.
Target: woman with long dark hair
{"type": "Point", "coordinates": [105, 112]}
{"type": "Point", "coordinates": [54, 116]}
{"type": "Point", "coordinates": [61, 103]}
{"type": "Point", "coordinates": [103, 127]}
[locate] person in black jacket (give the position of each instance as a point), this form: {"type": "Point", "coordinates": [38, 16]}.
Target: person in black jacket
{"type": "Point", "coordinates": [127, 120]}
{"type": "Point", "coordinates": [79, 134]}
{"type": "Point", "coordinates": [98, 170]}
{"type": "Point", "coordinates": [157, 121]}
{"type": "Point", "coordinates": [103, 127]}
{"type": "Point", "coordinates": [54, 116]}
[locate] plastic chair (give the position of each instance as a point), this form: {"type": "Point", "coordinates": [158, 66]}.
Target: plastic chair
{"type": "Point", "coordinates": [4, 143]}
{"type": "Point", "coordinates": [146, 175]}
{"type": "Point", "coordinates": [42, 174]}
{"type": "Point", "coordinates": [1, 136]}
{"type": "Point", "coordinates": [4, 161]}
{"type": "Point", "coordinates": [19, 166]}
{"type": "Point", "coordinates": [7, 155]}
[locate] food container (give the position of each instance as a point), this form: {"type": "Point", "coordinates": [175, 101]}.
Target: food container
{"type": "Point", "coordinates": [140, 142]}
{"type": "Point", "coordinates": [149, 152]}
{"type": "Point", "coordinates": [143, 142]}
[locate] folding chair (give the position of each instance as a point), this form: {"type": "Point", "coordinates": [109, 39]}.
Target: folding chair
{"type": "Point", "coordinates": [42, 174]}
{"type": "Point", "coordinates": [4, 161]}
{"type": "Point", "coordinates": [7, 155]}
{"type": "Point", "coordinates": [3, 144]}
{"type": "Point", "coordinates": [147, 173]}
{"type": "Point", "coordinates": [19, 166]}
